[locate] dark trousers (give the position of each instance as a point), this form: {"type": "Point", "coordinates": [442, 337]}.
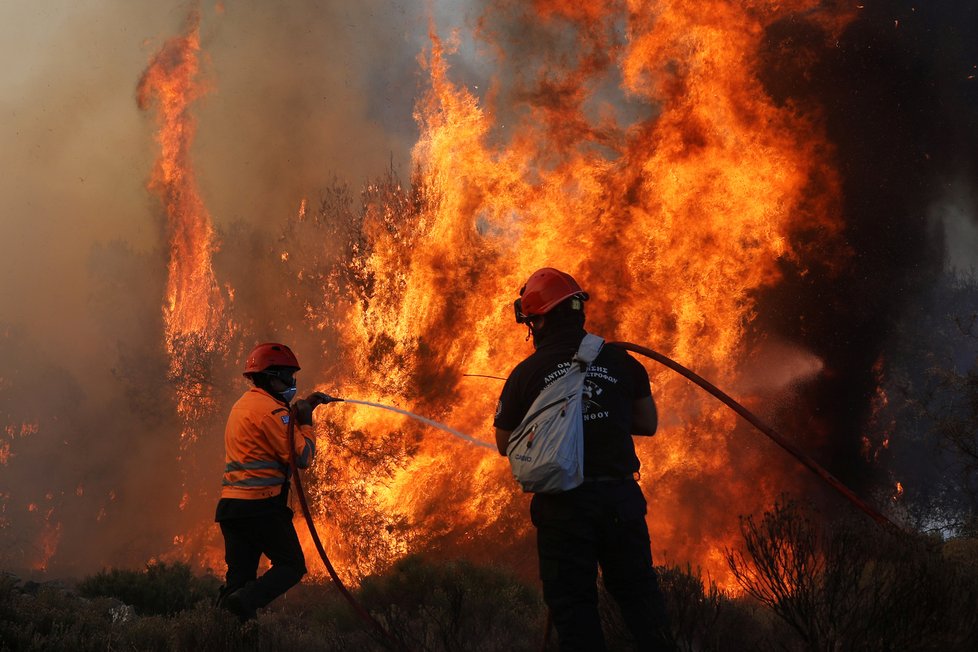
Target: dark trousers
{"type": "Point", "coordinates": [598, 524]}
{"type": "Point", "coordinates": [245, 541]}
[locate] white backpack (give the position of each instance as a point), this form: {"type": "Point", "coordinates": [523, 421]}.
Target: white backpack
{"type": "Point", "coordinates": [546, 451]}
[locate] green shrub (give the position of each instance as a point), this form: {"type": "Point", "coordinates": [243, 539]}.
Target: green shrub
{"type": "Point", "coordinates": [161, 589]}
{"type": "Point", "coordinates": [875, 592]}
{"type": "Point", "coordinates": [701, 618]}
{"type": "Point", "coordinates": [455, 605]}
{"type": "Point", "coordinates": [48, 617]}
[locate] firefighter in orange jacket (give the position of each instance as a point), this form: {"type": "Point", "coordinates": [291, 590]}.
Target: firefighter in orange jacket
{"type": "Point", "coordinates": [253, 511]}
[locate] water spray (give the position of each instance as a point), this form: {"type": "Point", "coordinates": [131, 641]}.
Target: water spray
{"type": "Point", "coordinates": [317, 399]}
{"type": "Point", "coordinates": [418, 417]}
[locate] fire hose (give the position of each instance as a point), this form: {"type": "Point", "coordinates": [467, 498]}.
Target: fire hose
{"type": "Point", "coordinates": [772, 434]}
{"type": "Point", "coordinates": [304, 504]}
{"type": "Point", "coordinates": [709, 387]}
{"type": "Point", "coordinates": [777, 438]}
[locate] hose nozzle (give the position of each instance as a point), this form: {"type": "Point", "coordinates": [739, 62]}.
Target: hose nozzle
{"type": "Point", "coordinates": [319, 398]}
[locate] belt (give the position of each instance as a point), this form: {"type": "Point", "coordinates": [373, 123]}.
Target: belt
{"type": "Point", "coordinates": [595, 479]}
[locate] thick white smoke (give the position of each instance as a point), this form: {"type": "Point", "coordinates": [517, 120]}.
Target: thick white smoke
{"type": "Point", "coordinates": [300, 93]}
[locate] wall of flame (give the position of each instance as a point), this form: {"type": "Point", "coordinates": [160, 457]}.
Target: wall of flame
{"type": "Point", "coordinates": [629, 143]}
{"type": "Point", "coordinates": [671, 222]}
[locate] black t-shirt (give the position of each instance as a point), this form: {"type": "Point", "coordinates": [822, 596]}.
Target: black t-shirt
{"type": "Point", "coordinates": [613, 383]}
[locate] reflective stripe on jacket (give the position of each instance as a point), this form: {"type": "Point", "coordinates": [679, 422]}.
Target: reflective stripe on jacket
{"type": "Point", "coordinates": [256, 449]}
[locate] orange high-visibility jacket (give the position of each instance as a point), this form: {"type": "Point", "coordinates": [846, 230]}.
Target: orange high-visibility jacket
{"type": "Point", "coordinates": [256, 447]}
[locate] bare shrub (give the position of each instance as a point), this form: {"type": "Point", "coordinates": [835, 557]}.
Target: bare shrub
{"type": "Point", "coordinates": [853, 585]}
{"type": "Point", "coordinates": [702, 617]}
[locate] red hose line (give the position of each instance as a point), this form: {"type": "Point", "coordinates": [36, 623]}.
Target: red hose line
{"type": "Point", "coordinates": [796, 452]}
{"type": "Point", "coordinates": [301, 494]}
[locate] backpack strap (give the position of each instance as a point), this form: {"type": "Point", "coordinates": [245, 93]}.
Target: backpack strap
{"type": "Point", "coordinates": [589, 350]}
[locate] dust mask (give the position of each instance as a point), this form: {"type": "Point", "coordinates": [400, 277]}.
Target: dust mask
{"type": "Point", "coordinates": [288, 394]}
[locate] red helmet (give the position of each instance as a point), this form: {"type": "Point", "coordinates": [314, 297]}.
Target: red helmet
{"type": "Point", "coordinates": [270, 354]}
{"type": "Point", "coordinates": [545, 289]}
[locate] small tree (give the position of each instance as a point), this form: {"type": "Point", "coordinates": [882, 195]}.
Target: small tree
{"type": "Point", "coordinates": [951, 406]}
{"type": "Point", "coordinates": [781, 565]}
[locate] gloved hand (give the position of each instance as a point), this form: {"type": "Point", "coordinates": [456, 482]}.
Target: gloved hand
{"type": "Point", "coordinates": [304, 406]}
{"type": "Point", "coordinates": [319, 398]}
{"type": "Point", "coordinates": [303, 412]}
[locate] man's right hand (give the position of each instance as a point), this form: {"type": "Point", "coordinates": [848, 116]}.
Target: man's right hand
{"type": "Point", "coordinates": [319, 398]}
{"type": "Point", "coordinates": [304, 406]}
{"type": "Point", "coordinates": [303, 412]}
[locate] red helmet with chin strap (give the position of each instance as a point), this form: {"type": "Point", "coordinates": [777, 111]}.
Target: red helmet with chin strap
{"type": "Point", "coordinates": [270, 354]}
{"type": "Point", "coordinates": [544, 290]}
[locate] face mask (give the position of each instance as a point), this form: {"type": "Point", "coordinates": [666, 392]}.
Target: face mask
{"type": "Point", "coordinates": [288, 394]}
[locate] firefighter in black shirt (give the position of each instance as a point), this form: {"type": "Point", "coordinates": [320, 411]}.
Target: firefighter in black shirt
{"type": "Point", "coordinates": [601, 522]}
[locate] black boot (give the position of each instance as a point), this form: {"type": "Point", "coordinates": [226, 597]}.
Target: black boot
{"type": "Point", "coordinates": [237, 603]}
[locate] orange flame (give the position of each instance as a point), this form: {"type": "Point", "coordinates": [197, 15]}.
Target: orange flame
{"type": "Point", "coordinates": [194, 305]}
{"type": "Point", "coordinates": [47, 545]}
{"type": "Point", "coordinates": [671, 222]}
{"type": "Point", "coordinates": [12, 432]}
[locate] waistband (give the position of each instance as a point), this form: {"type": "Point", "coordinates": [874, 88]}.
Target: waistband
{"type": "Point", "coordinates": [616, 479]}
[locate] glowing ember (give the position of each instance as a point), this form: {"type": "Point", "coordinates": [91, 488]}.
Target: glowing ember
{"type": "Point", "coordinates": [878, 406]}
{"type": "Point", "coordinates": [897, 492]}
